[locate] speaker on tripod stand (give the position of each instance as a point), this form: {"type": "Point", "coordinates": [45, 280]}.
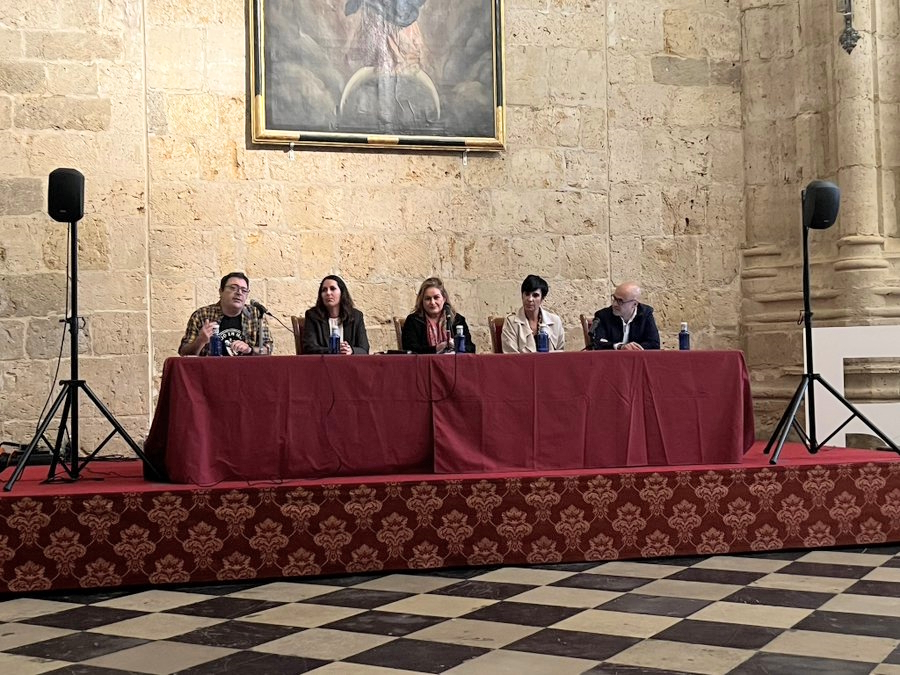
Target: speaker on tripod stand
{"type": "Point", "coordinates": [65, 203]}
{"type": "Point", "coordinates": [821, 203]}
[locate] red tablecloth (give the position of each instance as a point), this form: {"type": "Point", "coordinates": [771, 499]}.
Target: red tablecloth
{"type": "Point", "coordinates": [316, 416]}
{"type": "Point", "coordinates": [590, 410]}
{"type": "Point", "coordinates": [258, 418]}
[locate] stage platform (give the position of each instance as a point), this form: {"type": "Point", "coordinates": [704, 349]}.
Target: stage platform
{"type": "Point", "coordinates": [114, 529]}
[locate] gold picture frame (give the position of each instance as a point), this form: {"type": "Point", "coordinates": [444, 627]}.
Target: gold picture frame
{"type": "Point", "coordinates": [418, 74]}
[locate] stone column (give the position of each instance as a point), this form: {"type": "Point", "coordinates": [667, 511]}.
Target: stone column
{"type": "Point", "coordinates": [860, 266]}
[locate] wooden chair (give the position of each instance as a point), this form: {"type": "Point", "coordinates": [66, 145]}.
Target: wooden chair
{"type": "Point", "coordinates": [398, 329]}
{"type": "Point", "coordinates": [586, 329]}
{"type": "Point", "coordinates": [297, 324]}
{"type": "Point", "coordinates": [495, 325]}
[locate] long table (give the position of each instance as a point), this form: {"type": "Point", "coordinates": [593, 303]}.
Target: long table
{"type": "Point", "coordinates": [279, 417]}
{"type": "Point", "coordinates": [272, 417]}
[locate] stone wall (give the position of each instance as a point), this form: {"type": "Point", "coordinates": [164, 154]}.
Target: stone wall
{"type": "Point", "coordinates": [624, 161]}
{"type": "Point", "coordinates": [72, 94]}
{"type": "Point", "coordinates": [629, 123]}
{"type": "Point", "coordinates": [886, 40]}
{"type": "Point", "coordinates": [813, 111]}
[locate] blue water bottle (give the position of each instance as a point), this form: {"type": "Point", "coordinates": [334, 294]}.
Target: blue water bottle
{"type": "Point", "coordinates": [542, 340]}
{"type": "Point", "coordinates": [334, 342]}
{"type": "Point", "coordinates": [459, 340]}
{"type": "Point", "coordinates": [684, 337]}
{"type": "Point", "coordinates": [215, 344]}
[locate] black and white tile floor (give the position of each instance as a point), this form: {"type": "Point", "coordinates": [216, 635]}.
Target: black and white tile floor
{"type": "Point", "coordinates": [835, 612]}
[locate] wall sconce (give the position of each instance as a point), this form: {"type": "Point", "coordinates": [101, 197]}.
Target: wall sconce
{"type": "Point", "coordinates": [850, 36]}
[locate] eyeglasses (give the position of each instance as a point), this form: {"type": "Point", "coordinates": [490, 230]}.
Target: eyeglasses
{"type": "Point", "coordinates": [234, 288]}
{"type": "Point", "coordinates": [620, 301]}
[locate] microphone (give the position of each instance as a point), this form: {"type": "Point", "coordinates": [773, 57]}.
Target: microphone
{"type": "Point", "coordinates": [256, 304]}
{"type": "Point", "coordinates": [449, 321]}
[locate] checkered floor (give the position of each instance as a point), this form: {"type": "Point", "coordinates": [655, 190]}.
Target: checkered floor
{"type": "Point", "coordinates": [835, 612]}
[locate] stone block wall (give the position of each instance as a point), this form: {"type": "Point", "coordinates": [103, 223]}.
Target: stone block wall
{"type": "Point", "coordinates": [811, 111]}
{"type": "Point", "coordinates": [591, 87]}
{"type": "Point", "coordinates": [663, 140]}
{"type": "Point", "coordinates": [887, 48]}
{"type": "Point", "coordinates": [72, 95]}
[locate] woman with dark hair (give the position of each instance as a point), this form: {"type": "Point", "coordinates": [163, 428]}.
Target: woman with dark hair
{"type": "Point", "coordinates": [334, 310]}
{"type": "Point", "coordinates": [433, 323]}
{"type": "Point", "coordinates": [521, 328]}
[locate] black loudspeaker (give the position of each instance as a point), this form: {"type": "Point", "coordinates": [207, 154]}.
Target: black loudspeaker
{"type": "Point", "coordinates": [65, 195]}
{"type": "Point", "coordinates": [821, 202]}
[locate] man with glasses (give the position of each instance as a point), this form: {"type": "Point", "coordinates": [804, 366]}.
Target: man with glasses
{"type": "Point", "coordinates": [237, 325]}
{"type": "Point", "coordinates": [626, 324]}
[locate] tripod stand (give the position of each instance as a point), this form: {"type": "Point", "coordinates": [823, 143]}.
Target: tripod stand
{"type": "Point", "coordinates": [66, 454]}
{"type": "Point", "coordinates": [819, 217]}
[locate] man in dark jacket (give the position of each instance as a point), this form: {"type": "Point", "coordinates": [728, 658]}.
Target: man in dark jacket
{"type": "Point", "coordinates": [626, 323]}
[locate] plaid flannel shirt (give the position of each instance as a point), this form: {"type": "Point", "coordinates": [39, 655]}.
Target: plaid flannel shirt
{"type": "Point", "coordinates": [250, 326]}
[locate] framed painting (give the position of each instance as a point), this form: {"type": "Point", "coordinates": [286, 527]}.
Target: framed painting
{"type": "Point", "coordinates": [424, 74]}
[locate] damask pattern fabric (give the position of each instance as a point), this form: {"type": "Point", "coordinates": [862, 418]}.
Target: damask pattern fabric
{"type": "Point", "coordinates": [89, 540]}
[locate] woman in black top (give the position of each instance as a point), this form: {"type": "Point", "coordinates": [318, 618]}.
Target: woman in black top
{"type": "Point", "coordinates": [426, 329]}
{"type": "Point", "coordinates": [334, 310]}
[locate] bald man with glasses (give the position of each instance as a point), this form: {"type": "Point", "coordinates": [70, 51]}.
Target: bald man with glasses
{"type": "Point", "coordinates": [626, 324]}
{"type": "Point", "coordinates": [237, 325]}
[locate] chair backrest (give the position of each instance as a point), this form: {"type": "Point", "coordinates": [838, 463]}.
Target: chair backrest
{"type": "Point", "coordinates": [586, 329]}
{"type": "Point", "coordinates": [495, 325]}
{"type": "Point", "coordinates": [398, 329]}
{"type": "Point", "coordinates": [297, 325]}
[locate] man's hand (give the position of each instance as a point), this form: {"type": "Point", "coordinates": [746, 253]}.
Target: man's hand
{"type": "Point", "coordinates": [241, 347]}
{"type": "Point", "coordinates": [196, 345]}
{"type": "Point", "coordinates": [206, 332]}
{"type": "Point", "coordinates": [632, 347]}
